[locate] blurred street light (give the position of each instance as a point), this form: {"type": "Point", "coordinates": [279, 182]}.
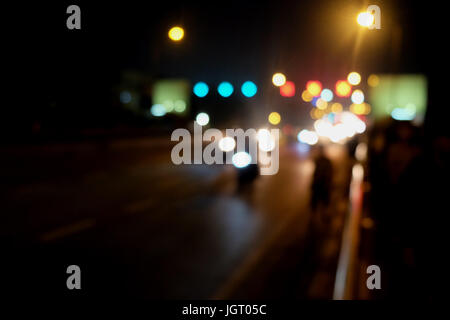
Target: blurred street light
{"type": "Point", "coordinates": [314, 88]}
{"type": "Point", "coordinates": [321, 104]}
{"type": "Point", "coordinates": [225, 89]}
{"type": "Point", "coordinates": [326, 95]}
{"type": "Point", "coordinates": [266, 141]}
{"type": "Point", "coordinates": [278, 79]}
{"type": "Point", "coordinates": [227, 144]}
{"type": "Point", "coordinates": [357, 97]}
{"type": "Point", "coordinates": [125, 97]}
{"type": "Point", "coordinates": [316, 113]}
{"type": "Point", "coordinates": [274, 118]}
{"type": "Point", "coordinates": [343, 88]}
{"type": "Point", "coordinates": [288, 89]}
{"type": "Point", "coordinates": [158, 110]}
{"type": "Point", "coordinates": [336, 107]}
{"type": "Point", "coordinates": [309, 137]}
{"type": "Point", "coordinates": [180, 106]}
{"type": "Point", "coordinates": [202, 119]}
{"type": "Point", "coordinates": [373, 80]}
{"type": "Point", "coordinates": [354, 78]}
{"type": "Point", "coordinates": [360, 109]}
{"type": "Point", "coordinates": [306, 96]}
{"type": "Point", "coordinates": [201, 89]}
{"type": "Point", "coordinates": [176, 34]}
{"type": "Point", "coordinates": [365, 19]}
{"type": "Point", "coordinates": [241, 159]}
{"type": "Point", "coordinates": [249, 89]}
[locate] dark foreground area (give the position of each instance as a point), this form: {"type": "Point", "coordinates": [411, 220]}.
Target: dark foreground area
{"type": "Point", "coordinates": [139, 226]}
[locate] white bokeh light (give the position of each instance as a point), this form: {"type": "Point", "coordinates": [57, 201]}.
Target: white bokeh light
{"type": "Point", "coordinates": [202, 119]}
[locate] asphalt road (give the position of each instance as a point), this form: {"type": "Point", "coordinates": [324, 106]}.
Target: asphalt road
{"type": "Point", "coordinates": [139, 226]}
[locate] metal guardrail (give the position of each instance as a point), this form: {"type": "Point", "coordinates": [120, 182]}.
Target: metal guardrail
{"type": "Point", "coordinates": [343, 287]}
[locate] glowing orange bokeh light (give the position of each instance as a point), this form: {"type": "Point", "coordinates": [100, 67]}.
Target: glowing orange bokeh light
{"type": "Point", "coordinates": [288, 89]}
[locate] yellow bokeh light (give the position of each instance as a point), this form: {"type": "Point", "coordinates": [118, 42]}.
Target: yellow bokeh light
{"type": "Point", "coordinates": [176, 33]}
{"type": "Point", "coordinates": [274, 118]}
{"type": "Point", "coordinates": [336, 107]}
{"type": "Point", "coordinates": [316, 113]}
{"type": "Point", "coordinates": [359, 109]}
{"type": "Point", "coordinates": [373, 80]}
{"type": "Point", "coordinates": [343, 89]}
{"type": "Point", "coordinates": [306, 96]}
{"type": "Point", "coordinates": [279, 79]}
{"type": "Point", "coordinates": [354, 78]}
{"type": "Point", "coordinates": [314, 88]}
{"type": "Point", "coordinates": [365, 19]}
{"type": "Point", "coordinates": [321, 104]}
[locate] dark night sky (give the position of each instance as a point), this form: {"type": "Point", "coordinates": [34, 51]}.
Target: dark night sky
{"type": "Point", "coordinates": [228, 40]}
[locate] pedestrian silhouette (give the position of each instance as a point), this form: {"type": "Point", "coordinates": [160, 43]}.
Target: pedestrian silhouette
{"type": "Point", "coordinates": [322, 178]}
